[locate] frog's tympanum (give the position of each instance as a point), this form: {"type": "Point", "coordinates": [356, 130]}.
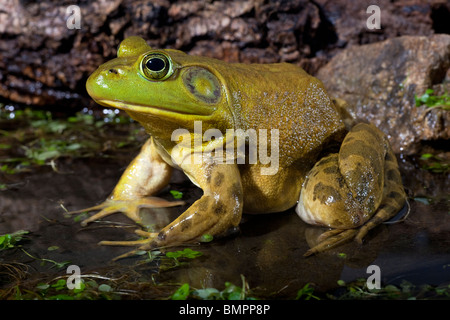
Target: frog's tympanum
{"type": "Point", "coordinates": [346, 179]}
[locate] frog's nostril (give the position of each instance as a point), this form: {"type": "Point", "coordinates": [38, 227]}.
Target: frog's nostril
{"type": "Point", "coordinates": [113, 71]}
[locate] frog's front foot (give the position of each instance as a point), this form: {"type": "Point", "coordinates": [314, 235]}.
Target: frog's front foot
{"type": "Point", "coordinates": [129, 208]}
{"type": "Point", "coordinates": [210, 215]}
{"type": "Point", "coordinates": [218, 211]}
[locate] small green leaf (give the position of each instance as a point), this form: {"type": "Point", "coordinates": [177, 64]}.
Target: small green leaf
{"type": "Point", "coordinates": [59, 285]}
{"type": "Point", "coordinates": [92, 284]}
{"type": "Point", "coordinates": [80, 217]}
{"type": "Point", "coordinates": [105, 288]}
{"type": "Point", "coordinates": [73, 146]}
{"type": "Point", "coordinates": [206, 238]}
{"type": "Point", "coordinates": [423, 200]}
{"type": "Point", "coordinates": [433, 101]}
{"type": "Point", "coordinates": [426, 156]}
{"type": "Point", "coordinates": [45, 155]}
{"type": "Point", "coordinates": [304, 292]}
{"type": "Point", "coordinates": [43, 286]}
{"type": "Point", "coordinates": [81, 289]}
{"type": "Point", "coordinates": [231, 292]}
{"type": "Point", "coordinates": [61, 297]}
{"type": "Point", "coordinates": [186, 253]}
{"type": "Point", "coordinates": [2, 240]}
{"type": "Point", "coordinates": [182, 292]}
{"type": "Point", "coordinates": [176, 194]}
{"type": "Point", "coordinates": [191, 254]}
{"type": "Point", "coordinates": [207, 294]}
{"type": "Point", "coordinates": [234, 296]}
{"type": "Point", "coordinates": [152, 255]}
{"type": "Point", "coordinates": [173, 254]}
{"type": "Point", "coordinates": [9, 240]}
{"type": "Point", "coordinates": [60, 265]}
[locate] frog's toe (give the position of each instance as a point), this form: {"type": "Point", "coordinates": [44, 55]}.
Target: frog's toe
{"type": "Point", "coordinates": [129, 243]}
{"type": "Point", "coordinates": [129, 208]}
{"type": "Point", "coordinates": [332, 239]}
{"type": "Point", "coordinates": [94, 208]}
{"type": "Point", "coordinates": [106, 208]}
{"type": "Point", "coordinates": [126, 255]}
{"type": "Point", "coordinates": [103, 213]}
{"type": "Point", "coordinates": [143, 244]}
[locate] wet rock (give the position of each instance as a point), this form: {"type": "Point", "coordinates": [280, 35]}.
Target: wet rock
{"type": "Point", "coordinates": [398, 18]}
{"type": "Point", "coordinates": [380, 81]}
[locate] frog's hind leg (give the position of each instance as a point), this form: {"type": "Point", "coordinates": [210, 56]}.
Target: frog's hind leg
{"type": "Point", "coordinates": [323, 201]}
{"type": "Point", "coordinates": [394, 196]}
{"type": "Point", "coordinates": [352, 191]}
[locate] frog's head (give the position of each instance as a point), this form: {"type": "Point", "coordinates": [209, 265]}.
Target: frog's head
{"type": "Point", "coordinates": [168, 85]}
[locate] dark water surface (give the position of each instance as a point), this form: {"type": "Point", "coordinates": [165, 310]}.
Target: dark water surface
{"type": "Point", "coordinates": [268, 250]}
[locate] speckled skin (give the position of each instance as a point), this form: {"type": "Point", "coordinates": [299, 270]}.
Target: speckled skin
{"type": "Point", "coordinates": [343, 190]}
{"type": "Point", "coordinates": [353, 190]}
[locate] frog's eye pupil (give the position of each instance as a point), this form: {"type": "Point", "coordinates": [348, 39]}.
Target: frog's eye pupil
{"type": "Point", "coordinates": [156, 64]}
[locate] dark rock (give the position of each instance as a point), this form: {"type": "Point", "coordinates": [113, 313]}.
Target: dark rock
{"type": "Point", "coordinates": [380, 80]}
{"type": "Point", "coordinates": [404, 17]}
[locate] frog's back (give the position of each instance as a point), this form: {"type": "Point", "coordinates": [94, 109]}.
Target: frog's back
{"type": "Point", "coordinates": [279, 96]}
{"type": "Point", "coordinates": [283, 96]}
{"type": "Point", "coordinates": [287, 69]}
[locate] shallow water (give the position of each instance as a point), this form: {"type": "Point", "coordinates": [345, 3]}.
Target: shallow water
{"type": "Point", "coordinates": [268, 250]}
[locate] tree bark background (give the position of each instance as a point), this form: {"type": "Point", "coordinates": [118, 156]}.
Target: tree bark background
{"type": "Point", "coordinates": [42, 62]}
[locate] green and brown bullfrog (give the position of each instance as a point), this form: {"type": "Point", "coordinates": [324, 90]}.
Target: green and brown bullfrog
{"type": "Point", "coordinates": [346, 179]}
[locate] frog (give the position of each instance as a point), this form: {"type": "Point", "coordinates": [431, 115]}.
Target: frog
{"type": "Point", "coordinates": [343, 178]}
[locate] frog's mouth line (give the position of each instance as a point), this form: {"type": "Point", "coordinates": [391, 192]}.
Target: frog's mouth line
{"type": "Point", "coordinates": [142, 109]}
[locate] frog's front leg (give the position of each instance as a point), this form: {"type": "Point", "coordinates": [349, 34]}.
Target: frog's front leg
{"type": "Point", "coordinates": [354, 190]}
{"type": "Point", "coordinates": [215, 213]}
{"type": "Point", "coordinates": [146, 175]}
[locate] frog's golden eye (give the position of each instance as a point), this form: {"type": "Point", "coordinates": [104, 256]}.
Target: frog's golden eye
{"type": "Point", "coordinates": [156, 66]}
